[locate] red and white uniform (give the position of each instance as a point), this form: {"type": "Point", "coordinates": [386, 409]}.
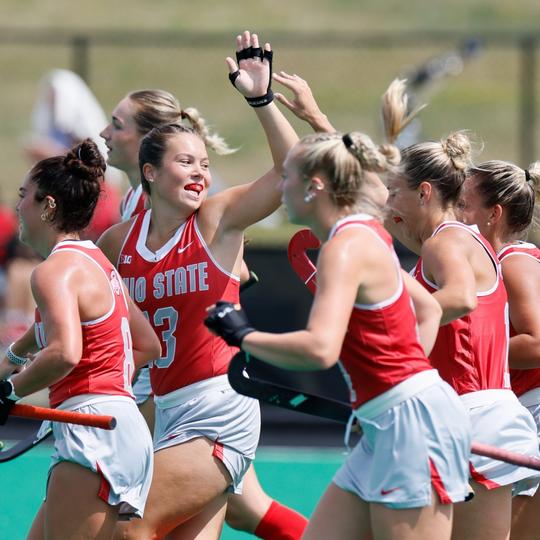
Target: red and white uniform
{"type": "Point", "coordinates": [416, 432]}
{"type": "Point", "coordinates": [381, 347]}
{"type": "Point", "coordinates": [174, 286]}
{"type": "Point", "coordinates": [523, 380]}
{"type": "Point", "coordinates": [106, 364]}
{"type": "Point", "coordinates": [101, 384]}
{"type": "Point", "coordinates": [471, 353]}
{"type": "Point", "coordinates": [133, 202]}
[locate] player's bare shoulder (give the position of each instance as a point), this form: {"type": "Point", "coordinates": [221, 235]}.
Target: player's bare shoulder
{"type": "Point", "coordinates": [111, 241]}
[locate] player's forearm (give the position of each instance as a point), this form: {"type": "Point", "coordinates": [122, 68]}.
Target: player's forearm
{"type": "Point", "coordinates": [279, 133]}
{"type": "Point", "coordinates": [524, 352]}
{"type": "Point", "coordinates": [293, 350]}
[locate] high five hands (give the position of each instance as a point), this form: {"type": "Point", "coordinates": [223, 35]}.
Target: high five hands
{"type": "Point", "coordinates": [251, 73]}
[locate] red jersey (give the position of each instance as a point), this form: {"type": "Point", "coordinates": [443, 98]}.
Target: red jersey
{"type": "Point", "coordinates": [106, 365]}
{"type": "Point", "coordinates": [522, 380]}
{"type": "Point", "coordinates": [174, 286]}
{"type": "Point", "coordinates": [381, 347]}
{"type": "Point", "coordinates": [471, 353]}
{"type": "Point", "coordinates": [133, 202]}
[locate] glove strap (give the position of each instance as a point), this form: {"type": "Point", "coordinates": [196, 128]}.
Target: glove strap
{"type": "Point", "coordinates": [262, 100]}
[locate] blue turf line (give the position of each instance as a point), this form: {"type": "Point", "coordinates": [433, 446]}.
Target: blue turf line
{"type": "Point", "coordinates": [295, 476]}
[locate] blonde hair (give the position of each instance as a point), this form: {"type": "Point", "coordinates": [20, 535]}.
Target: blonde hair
{"type": "Point", "coordinates": [514, 188]}
{"type": "Point", "coordinates": [344, 159]}
{"type": "Point", "coordinates": [157, 107]}
{"type": "Point", "coordinates": [444, 163]}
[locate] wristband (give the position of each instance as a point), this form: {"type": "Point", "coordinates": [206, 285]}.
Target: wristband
{"type": "Point", "coordinates": [261, 101]}
{"type": "Point", "coordinates": [15, 358]}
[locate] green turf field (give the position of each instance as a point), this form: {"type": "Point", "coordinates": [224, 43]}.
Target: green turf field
{"type": "Point", "coordinates": [296, 477]}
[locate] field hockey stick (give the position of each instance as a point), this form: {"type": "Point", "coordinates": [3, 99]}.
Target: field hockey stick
{"type": "Point", "coordinates": [45, 430]}
{"type": "Point", "coordinates": [243, 378]}
{"type": "Point", "coordinates": [43, 433]}
{"type": "Point", "coordinates": [300, 242]}
{"type": "Point", "coordinates": [57, 415]}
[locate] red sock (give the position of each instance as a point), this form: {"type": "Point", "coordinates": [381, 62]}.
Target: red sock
{"type": "Point", "coordinates": [281, 523]}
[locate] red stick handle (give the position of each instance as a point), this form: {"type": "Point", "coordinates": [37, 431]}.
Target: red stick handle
{"type": "Point", "coordinates": [504, 455]}
{"type": "Point", "coordinates": [57, 415]}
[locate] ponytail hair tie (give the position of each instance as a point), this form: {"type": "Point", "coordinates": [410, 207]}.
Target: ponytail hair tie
{"type": "Point", "coordinates": [527, 175]}
{"type": "Point", "coordinates": [347, 141]}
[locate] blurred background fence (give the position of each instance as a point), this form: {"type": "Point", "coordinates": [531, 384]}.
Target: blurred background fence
{"type": "Point", "coordinates": [486, 82]}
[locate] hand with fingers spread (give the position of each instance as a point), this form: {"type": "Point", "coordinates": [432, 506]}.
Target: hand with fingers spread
{"type": "Point", "coordinates": [303, 103]}
{"type": "Point", "coordinates": [251, 74]}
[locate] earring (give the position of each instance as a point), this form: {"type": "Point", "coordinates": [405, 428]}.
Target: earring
{"type": "Point", "coordinates": [44, 217]}
{"type": "Point", "coordinates": [52, 204]}
{"type": "Point", "coordinates": [309, 196]}
{"type": "Point", "coordinates": [488, 223]}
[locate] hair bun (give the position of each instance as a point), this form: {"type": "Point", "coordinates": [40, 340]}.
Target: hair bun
{"type": "Point", "coordinates": [457, 146]}
{"type": "Point", "coordinates": [85, 161]}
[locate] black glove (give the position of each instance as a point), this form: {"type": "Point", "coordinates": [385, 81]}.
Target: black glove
{"type": "Point", "coordinates": [6, 388]}
{"type": "Point", "coordinates": [229, 322]}
{"type": "Point", "coordinates": [255, 52]}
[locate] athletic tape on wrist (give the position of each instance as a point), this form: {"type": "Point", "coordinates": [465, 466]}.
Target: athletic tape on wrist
{"type": "Point", "coordinates": [15, 358]}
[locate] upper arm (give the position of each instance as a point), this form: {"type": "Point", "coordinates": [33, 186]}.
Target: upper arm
{"type": "Point", "coordinates": [55, 290]}
{"type": "Point", "coordinates": [521, 276]}
{"type": "Point", "coordinates": [446, 263]}
{"type": "Point", "coordinates": [111, 241]}
{"type": "Point", "coordinates": [339, 275]}
{"type": "Point", "coordinates": [424, 303]}
{"type": "Point", "coordinates": [239, 207]}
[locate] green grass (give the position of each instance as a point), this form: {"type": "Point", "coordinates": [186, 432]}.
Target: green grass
{"type": "Point", "coordinates": [348, 80]}
{"type": "Point", "coordinates": [295, 477]}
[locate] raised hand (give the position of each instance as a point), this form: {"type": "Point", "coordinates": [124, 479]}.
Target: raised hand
{"type": "Point", "coordinates": [251, 74]}
{"type": "Point", "coordinates": [303, 103]}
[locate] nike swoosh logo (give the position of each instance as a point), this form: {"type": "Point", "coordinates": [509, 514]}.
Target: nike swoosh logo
{"type": "Point", "coordinates": [182, 249]}
{"type": "Point", "coordinates": [388, 491]}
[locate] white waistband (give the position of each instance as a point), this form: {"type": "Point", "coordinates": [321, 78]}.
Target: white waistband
{"type": "Point", "coordinates": [180, 396]}
{"type": "Point", "coordinates": [83, 400]}
{"type": "Point", "coordinates": [486, 397]}
{"type": "Point", "coordinates": [530, 398]}
{"type": "Point", "coordinates": [399, 393]}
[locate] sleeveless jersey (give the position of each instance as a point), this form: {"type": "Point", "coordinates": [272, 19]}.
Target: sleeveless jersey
{"type": "Point", "coordinates": [133, 202]}
{"type": "Point", "coordinates": [381, 347]}
{"type": "Point", "coordinates": [471, 353]}
{"type": "Point", "coordinates": [522, 380]}
{"type": "Point", "coordinates": [173, 287]}
{"type": "Point", "coordinates": [106, 365]}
